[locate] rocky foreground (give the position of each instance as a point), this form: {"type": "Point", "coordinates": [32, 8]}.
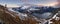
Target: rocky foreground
{"type": "Point", "coordinates": [10, 18]}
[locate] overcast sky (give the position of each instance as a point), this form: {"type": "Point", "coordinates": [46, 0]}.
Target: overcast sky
{"type": "Point", "coordinates": [37, 2]}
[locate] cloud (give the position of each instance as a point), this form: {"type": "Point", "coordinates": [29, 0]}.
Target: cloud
{"type": "Point", "coordinates": [49, 4]}
{"type": "Point", "coordinates": [10, 5]}
{"type": "Point", "coordinates": [52, 4]}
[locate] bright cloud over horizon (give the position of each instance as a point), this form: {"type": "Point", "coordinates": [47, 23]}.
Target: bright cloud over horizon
{"type": "Point", "coordinates": [11, 5]}
{"type": "Point", "coordinates": [49, 4]}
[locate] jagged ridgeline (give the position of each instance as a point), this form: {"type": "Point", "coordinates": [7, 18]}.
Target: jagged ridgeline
{"type": "Point", "coordinates": [9, 18]}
